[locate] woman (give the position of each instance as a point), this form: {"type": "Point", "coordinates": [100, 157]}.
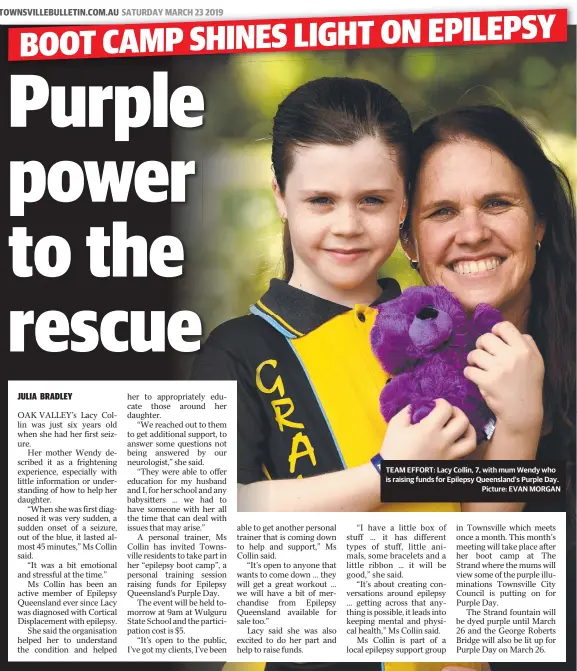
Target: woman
{"type": "Point", "coordinates": [493, 220]}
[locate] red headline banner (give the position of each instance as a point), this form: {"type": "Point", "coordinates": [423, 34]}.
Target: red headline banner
{"type": "Point", "coordinates": [266, 35]}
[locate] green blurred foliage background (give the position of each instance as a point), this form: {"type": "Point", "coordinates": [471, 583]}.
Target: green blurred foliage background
{"type": "Point", "coordinates": [233, 236]}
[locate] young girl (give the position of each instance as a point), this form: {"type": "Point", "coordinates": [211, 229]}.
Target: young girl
{"type": "Point", "coordinates": [310, 434]}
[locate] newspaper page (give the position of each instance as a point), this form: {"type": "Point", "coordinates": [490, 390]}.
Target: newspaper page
{"type": "Point", "coordinates": [271, 271]}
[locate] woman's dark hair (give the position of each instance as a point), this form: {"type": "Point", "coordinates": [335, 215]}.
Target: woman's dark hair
{"type": "Point", "coordinates": [337, 111]}
{"type": "Point", "coordinates": [552, 312]}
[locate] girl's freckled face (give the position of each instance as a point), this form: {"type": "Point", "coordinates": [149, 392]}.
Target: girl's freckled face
{"type": "Point", "coordinates": [343, 204]}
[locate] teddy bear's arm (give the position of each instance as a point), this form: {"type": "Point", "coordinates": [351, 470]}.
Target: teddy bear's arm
{"type": "Point", "coordinates": [484, 318]}
{"type": "Point", "coordinates": [396, 394]}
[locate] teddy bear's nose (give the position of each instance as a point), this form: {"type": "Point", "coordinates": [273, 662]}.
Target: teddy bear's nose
{"type": "Point", "coordinates": [428, 312]}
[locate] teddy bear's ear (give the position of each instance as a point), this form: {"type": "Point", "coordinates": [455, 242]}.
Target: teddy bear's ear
{"type": "Point", "coordinates": [389, 337]}
{"type": "Point", "coordinates": [485, 317]}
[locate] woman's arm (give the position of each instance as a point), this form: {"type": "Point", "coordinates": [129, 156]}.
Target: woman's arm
{"type": "Point", "coordinates": [507, 444]}
{"type": "Point", "coordinates": [508, 369]}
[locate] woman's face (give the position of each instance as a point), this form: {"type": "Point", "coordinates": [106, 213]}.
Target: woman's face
{"type": "Point", "coordinates": [343, 205]}
{"type": "Point", "coordinates": [474, 228]}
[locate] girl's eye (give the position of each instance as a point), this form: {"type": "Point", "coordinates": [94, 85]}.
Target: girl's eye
{"type": "Point", "coordinates": [320, 200]}
{"type": "Point", "coordinates": [373, 200]}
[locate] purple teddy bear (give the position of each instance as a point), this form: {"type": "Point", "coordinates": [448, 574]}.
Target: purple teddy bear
{"type": "Point", "coordinates": [422, 338]}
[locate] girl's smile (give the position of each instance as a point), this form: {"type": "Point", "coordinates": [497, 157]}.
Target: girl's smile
{"type": "Point", "coordinates": [347, 255]}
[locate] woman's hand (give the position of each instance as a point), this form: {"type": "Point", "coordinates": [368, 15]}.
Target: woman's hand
{"type": "Point", "coordinates": [445, 433]}
{"type": "Point", "coordinates": [508, 369]}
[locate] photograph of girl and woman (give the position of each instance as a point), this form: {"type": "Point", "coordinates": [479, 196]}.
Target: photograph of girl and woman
{"type": "Point", "coordinates": [470, 198]}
